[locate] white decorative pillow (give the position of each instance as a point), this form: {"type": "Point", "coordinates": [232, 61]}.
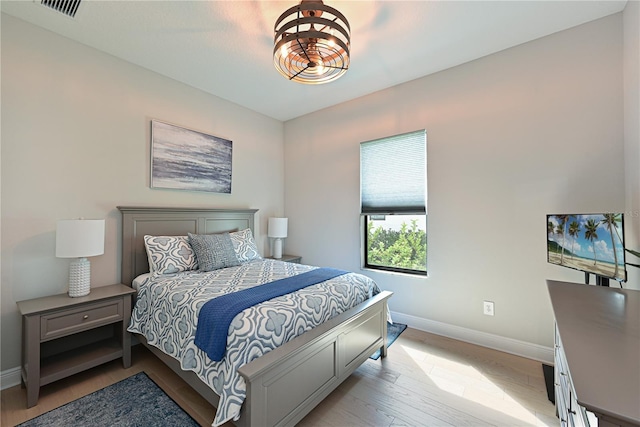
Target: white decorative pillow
{"type": "Point", "coordinates": [244, 245]}
{"type": "Point", "coordinates": [170, 254]}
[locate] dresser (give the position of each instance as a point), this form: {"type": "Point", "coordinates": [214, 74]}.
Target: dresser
{"type": "Point", "coordinates": [597, 354]}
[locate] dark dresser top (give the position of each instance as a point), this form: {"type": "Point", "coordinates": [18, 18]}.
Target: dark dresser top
{"type": "Point", "coordinates": [600, 332]}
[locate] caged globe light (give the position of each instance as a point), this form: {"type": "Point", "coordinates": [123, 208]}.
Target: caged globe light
{"type": "Point", "coordinates": [312, 43]}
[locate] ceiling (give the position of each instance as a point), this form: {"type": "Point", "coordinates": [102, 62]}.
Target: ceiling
{"type": "Point", "coordinates": [225, 47]}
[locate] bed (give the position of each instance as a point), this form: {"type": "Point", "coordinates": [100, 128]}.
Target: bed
{"type": "Point", "coordinates": [283, 385]}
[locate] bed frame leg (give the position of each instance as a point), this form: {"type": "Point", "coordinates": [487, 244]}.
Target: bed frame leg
{"type": "Point", "coordinates": [383, 349]}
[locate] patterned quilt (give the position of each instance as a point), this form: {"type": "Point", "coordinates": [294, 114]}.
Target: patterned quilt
{"type": "Point", "coordinates": [167, 309]}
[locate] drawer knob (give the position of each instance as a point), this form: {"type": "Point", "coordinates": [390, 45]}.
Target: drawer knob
{"type": "Point", "coordinates": [85, 317]}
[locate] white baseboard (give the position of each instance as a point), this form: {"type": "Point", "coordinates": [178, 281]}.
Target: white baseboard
{"type": "Point", "coordinates": [10, 378]}
{"type": "Point", "coordinates": [496, 342]}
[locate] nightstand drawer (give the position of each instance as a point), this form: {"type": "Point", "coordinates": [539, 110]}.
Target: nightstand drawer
{"type": "Point", "coordinates": [65, 322]}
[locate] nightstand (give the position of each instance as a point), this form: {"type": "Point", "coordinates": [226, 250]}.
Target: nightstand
{"type": "Point", "coordinates": [62, 336]}
{"type": "Point", "coordinates": [289, 258]}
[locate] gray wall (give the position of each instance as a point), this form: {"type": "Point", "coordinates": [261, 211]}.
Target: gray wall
{"type": "Point", "coordinates": [631, 43]}
{"type": "Point", "coordinates": [76, 143]}
{"type": "Point", "coordinates": [531, 130]}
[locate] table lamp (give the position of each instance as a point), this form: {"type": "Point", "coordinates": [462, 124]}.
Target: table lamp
{"type": "Point", "coordinates": [277, 231]}
{"type": "Point", "coordinates": [79, 239]}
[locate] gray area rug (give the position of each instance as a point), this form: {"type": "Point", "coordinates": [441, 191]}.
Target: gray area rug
{"type": "Point", "coordinates": [134, 401]}
{"type": "Point", "coordinates": [393, 331]}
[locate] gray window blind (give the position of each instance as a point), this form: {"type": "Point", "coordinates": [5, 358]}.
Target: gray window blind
{"type": "Point", "coordinates": [393, 174]}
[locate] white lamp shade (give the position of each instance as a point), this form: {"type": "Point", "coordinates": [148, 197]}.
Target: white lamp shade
{"type": "Point", "coordinates": [278, 227]}
{"type": "Point", "coordinates": [79, 238]}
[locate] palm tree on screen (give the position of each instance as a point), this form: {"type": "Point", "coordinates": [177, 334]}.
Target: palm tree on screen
{"type": "Point", "coordinates": [610, 221]}
{"type": "Point", "coordinates": [574, 230]}
{"type": "Point", "coordinates": [590, 234]}
{"type": "Point", "coordinates": [563, 231]}
{"type": "Point", "coordinates": [550, 232]}
{"type": "Point", "coordinates": [558, 232]}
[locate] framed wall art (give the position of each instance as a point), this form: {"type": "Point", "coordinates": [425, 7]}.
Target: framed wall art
{"type": "Point", "coordinates": [184, 159]}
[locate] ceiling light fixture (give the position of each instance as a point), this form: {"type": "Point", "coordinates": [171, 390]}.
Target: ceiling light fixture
{"type": "Point", "coordinates": [312, 43]}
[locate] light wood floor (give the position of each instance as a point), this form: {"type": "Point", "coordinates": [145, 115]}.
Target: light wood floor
{"type": "Point", "coordinates": [426, 380]}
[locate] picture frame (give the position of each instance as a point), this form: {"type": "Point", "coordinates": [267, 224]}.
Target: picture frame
{"type": "Point", "coordinates": [185, 159]}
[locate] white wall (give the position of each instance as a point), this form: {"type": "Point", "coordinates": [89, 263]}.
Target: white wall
{"type": "Point", "coordinates": [631, 25]}
{"type": "Point", "coordinates": [531, 130]}
{"type": "Point", "coordinates": [75, 142]}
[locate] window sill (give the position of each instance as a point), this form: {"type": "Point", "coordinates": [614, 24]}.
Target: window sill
{"type": "Point", "coordinates": [395, 273]}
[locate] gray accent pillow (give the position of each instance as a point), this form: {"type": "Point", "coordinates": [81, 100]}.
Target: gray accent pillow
{"type": "Point", "coordinates": [213, 251]}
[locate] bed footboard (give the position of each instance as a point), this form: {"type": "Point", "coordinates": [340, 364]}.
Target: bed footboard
{"type": "Point", "coordinates": [285, 384]}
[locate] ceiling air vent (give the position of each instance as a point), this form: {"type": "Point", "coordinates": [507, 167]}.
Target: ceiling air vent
{"type": "Point", "coordinates": [67, 7]}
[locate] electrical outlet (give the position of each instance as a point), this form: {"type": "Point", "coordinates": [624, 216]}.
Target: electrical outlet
{"type": "Point", "coordinates": [488, 308]}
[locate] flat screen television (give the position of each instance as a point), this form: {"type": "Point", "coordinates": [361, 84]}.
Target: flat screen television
{"type": "Point", "coordinates": [592, 243]}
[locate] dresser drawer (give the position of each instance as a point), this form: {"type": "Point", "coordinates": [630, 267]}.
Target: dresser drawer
{"type": "Point", "coordinates": [578, 414]}
{"type": "Point", "coordinates": [66, 322]}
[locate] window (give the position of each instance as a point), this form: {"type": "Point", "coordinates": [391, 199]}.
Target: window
{"type": "Point", "coordinates": [393, 195]}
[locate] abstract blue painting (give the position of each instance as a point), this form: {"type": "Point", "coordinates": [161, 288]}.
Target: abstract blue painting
{"type": "Point", "coordinates": [185, 159]}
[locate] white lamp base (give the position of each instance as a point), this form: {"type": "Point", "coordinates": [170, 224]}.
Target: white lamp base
{"type": "Point", "coordinates": [277, 248]}
{"type": "Point", "coordinates": [79, 277]}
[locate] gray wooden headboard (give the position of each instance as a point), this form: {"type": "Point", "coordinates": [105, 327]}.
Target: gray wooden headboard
{"type": "Point", "coordinates": [156, 221]}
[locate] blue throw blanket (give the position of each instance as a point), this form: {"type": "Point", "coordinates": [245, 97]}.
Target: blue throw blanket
{"type": "Point", "coordinates": [217, 314]}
